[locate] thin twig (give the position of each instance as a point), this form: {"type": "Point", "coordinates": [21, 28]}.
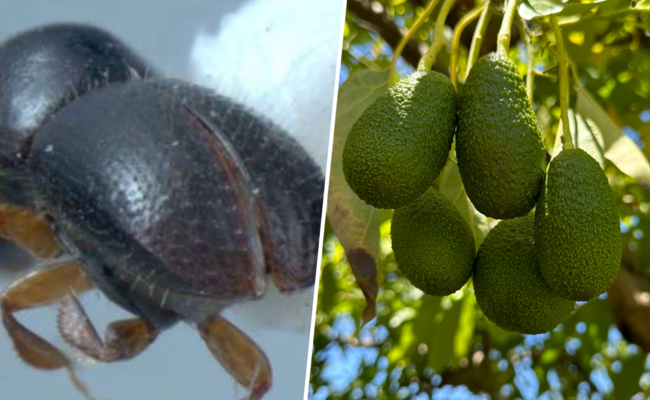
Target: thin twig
{"type": "Point", "coordinates": [408, 36]}
{"type": "Point", "coordinates": [563, 78]}
{"type": "Point", "coordinates": [460, 26]}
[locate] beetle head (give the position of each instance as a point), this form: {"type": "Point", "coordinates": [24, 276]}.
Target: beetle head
{"type": "Point", "coordinates": [43, 70]}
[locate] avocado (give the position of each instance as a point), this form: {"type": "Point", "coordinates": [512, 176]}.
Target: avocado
{"type": "Point", "coordinates": [433, 244]}
{"type": "Point", "coordinates": [577, 227]}
{"type": "Point", "coordinates": [499, 146]}
{"type": "Point", "coordinates": [508, 282]}
{"type": "Point", "coordinates": [399, 145]}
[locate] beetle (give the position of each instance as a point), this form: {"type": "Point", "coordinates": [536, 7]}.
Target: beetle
{"type": "Point", "coordinates": [172, 200]}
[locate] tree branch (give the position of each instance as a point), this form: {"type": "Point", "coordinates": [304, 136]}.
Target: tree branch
{"type": "Point", "coordinates": [385, 27]}
{"type": "Point", "coordinates": [477, 378]}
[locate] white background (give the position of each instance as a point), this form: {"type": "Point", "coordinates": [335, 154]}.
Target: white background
{"type": "Point", "coordinates": [278, 56]}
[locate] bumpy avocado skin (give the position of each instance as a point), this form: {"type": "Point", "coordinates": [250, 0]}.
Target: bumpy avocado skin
{"type": "Point", "coordinates": [577, 228]}
{"type": "Point", "coordinates": [433, 244]}
{"type": "Point", "coordinates": [399, 145]}
{"type": "Point", "coordinates": [499, 146]}
{"type": "Point", "coordinates": [508, 282]}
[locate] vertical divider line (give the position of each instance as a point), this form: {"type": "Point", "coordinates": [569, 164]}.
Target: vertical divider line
{"type": "Point", "coordinates": [325, 193]}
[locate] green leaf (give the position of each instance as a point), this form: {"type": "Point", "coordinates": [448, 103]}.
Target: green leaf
{"type": "Point", "coordinates": [327, 289]}
{"type": "Point", "coordinates": [585, 134]}
{"type": "Point", "coordinates": [355, 223]}
{"type": "Point", "coordinates": [436, 335]}
{"type": "Point", "coordinates": [626, 382]}
{"type": "Point", "coordinates": [597, 311]}
{"type": "Point", "coordinates": [441, 342]}
{"type": "Point", "coordinates": [618, 6]}
{"type": "Point", "coordinates": [499, 335]}
{"type": "Point", "coordinates": [597, 317]}
{"type": "Point", "coordinates": [421, 329]}
{"type": "Point", "coordinates": [404, 340]}
{"type": "Point", "coordinates": [549, 356]}
{"type": "Point", "coordinates": [619, 149]}
{"type": "Point", "coordinates": [530, 9]}
{"type": "Point", "coordinates": [590, 139]}
{"type": "Point", "coordinates": [465, 332]}
{"type": "Point", "coordinates": [451, 186]}
{"type": "Point", "coordinates": [557, 146]}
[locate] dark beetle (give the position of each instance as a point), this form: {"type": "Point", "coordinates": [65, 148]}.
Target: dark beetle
{"type": "Point", "coordinates": [172, 200]}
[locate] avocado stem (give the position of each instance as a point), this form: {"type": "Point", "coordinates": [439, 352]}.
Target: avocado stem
{"type": "Point", "coordinates": [576, 77]}
{"type": "Point", "coordinates": [503, 41]}
{"type": "Point", "coordinates": [572, 66]}
{"type": "Point", "coordinates": [477, 39]}
{"type": "Point", "coordinates": [451, 159]}
{"type": "Point", "coordinates": [460, 27]}
{"type": "Point", "coordinates": [426, 62]}
{"type": "Point", "coordinates": [545, 75]}
{"type": "Point", "coordinates": [407, 37]}
{"type": "Point", "coordinates": [563, 79]}
{"type": "Point", "coordinates": [530, 58]}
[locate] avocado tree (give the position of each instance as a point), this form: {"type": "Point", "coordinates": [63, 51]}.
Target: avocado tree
{"type": "Point", "coordinates": [586, 68]}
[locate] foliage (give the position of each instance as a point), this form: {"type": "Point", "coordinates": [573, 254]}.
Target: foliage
{"type": "Point", "coordinates": [423, 347]}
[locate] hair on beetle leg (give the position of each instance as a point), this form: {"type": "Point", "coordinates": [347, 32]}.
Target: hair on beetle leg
{"type": "Point", "coordinates": [164, 298]}
{"type": "Point", "coordinates": [48, 262]}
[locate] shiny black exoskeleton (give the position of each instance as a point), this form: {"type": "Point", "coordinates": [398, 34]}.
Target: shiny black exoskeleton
{"type": "Point", "coordinates": [175, 201]}
{"type": "Point", "coordinates": [43, 70]}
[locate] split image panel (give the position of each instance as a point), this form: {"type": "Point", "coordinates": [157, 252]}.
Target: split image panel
{"type": "Point", "coordinates": [197, 167]}
{"type": "Point", "coordinates": [506, 264]}
{"type": "Point", "coordinates": [190, 213]}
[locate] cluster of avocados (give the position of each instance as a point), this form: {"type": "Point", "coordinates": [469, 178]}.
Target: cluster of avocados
{"type": "Point", "coordinates": [534, 265]}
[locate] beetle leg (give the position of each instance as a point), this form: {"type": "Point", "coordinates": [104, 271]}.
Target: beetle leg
{"type": "Point", "coordinates": [242, 358]}
{"type": "Point", "coordinates": [35, 290]}
{"type": "Point", "coordinates": [125, 339]}
{"type": "Point", "coordinates": [29, 231]}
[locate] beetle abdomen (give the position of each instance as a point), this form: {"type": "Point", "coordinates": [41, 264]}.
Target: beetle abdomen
{"type": "Point", "coordinates": [137, 180]}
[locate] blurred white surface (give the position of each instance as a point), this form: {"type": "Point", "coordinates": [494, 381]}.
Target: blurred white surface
{"type": "Point", "coordinates": [278, 56]}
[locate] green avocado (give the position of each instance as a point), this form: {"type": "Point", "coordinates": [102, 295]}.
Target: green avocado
{"type": "Point", "coordinates": [399, 145]}
{"type": "Point", "coordinates": [433, 244]}
{"type": "Point", "coordinates": [499, 146]}
{"type": "Point", "coordinates": [508, 282]}
{"type": "Point", "coordinates": [577, 227]}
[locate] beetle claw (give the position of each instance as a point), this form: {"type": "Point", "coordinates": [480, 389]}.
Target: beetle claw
{"type": "Point", "coordinates": [125, 339]}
